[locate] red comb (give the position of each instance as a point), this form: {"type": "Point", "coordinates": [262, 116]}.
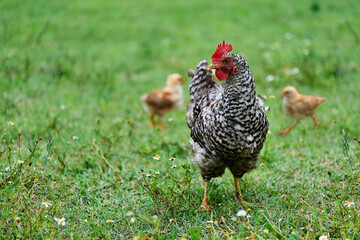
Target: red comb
{"type": "Point", "coordinates": [221, 50]}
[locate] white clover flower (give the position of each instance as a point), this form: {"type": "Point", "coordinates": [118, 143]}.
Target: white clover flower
{"type": "Point", "coordinates": [275, 45]}
{"type": "Point", "coordinates": [261, 45]}
{"type": "Point", "coordinates": [272, 97]}
{"type": "Point", "coordinates": [62, 106]}
{"type": "Point", "coordinates": [129, 214]}
{"type": "Point", "coordinates": [75, 137]}
{"type": "Point", "coordinates": [17, 219]}
{"type": "Point", "coordinates": [268, 132]}
{"type": "Point", "coordinates": [132, 220]}
{"type": "Point", "coordinates": [267, 56]}
{"type": "Point", "coordinates": [157, 172]}
{"type": "Point", "coordinates": [20, 162]}
{"type": "Point", "coordinates": [241, 213]}
{"type": "Point", "coordinates": [266, 231]}
{"type": "Point", "coordinates": [148, 175]}
{"type": "Point", "coordinates": [288, 36]}
{"type": "Point", "coordinates": [46, 204]}
{"type": "Point", "coordinates": [11, 123]}
{"type": "Point", "coordinates": [323, 237]}
{"type": "Point", "coordinates": [173, 166]}
{"type": "Point", "coordinates": [85, 220]}
{"type": "Point", "coordinates": [60, 221]}
{"type": "Point", "coordinates": [172, 159]}
{"type": "Point", "coordinates": [294, 71]}
{"type": "Point", "coordinates": [270, 78]}
{"type": "Point", "coordinates": [7, 169]}
{"type": "Point", "coordinates": [266, 108]}
{"type": "Point", "coordinates": [157, 157]}
{"type": "Point", "coordinates": [349, 204]}
{"type": "Point", "coordinates": [109, 221]}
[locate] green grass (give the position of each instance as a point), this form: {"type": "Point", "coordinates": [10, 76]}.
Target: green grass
{"type": "Point", "coordinates": [78, 68]}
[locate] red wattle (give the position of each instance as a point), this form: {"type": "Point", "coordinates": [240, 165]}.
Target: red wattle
{"type": "Point", "coordinates": [221, 75]}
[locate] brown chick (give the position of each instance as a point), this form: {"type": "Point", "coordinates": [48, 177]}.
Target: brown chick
{"type": "Point", "coordinates": [160, 101]}
{"type": "Point", "coordinates": [299, 106]}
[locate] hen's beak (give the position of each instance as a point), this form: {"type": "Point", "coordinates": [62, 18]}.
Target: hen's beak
{"type": "Point", "coordinates": [213, 66]}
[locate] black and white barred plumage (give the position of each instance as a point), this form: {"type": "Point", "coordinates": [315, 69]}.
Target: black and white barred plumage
{"type": "Point", "coordinates": [228, 126]}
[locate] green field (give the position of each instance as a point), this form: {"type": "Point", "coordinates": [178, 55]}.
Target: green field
{"type": "Point", "coordinates": [72, 73]}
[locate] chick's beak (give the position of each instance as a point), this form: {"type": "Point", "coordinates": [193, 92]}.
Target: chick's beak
{"type": "Point", "coordinates": [213, 66]}
{"type": "Point", "coordinates": [282, 94]}
{"type": "Point", "coordinates": [182, 80]}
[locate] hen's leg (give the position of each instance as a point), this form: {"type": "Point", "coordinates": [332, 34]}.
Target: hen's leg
{"type": "Point", "coordinates": [315, 121]}
{"type": "Point", "coordinates": [152, 120]}
{"type": "Point", "coordinates": [238, 194]}
{"type": "Point", "coordinates": [287, 130]}
{"type": "Point", "coordinates": [205, 204]}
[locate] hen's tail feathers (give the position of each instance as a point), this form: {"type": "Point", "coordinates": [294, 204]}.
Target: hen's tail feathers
{"type": "Point", "coordinates": [202, 82]}
{"type": "Point", "coordinates": [202, 65]}
{"type": "Point", "coordinates": [200, 87]}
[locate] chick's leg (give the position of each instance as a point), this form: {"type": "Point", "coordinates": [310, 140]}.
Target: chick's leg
{"type": "Point", "coordinates": [238, 195]}
{"type": "Point", "coordinates": [287, 130]}
{"type": "Point", "coordinates": [315, 121]}
{"type": "Point", "coordinates": [152, 120]}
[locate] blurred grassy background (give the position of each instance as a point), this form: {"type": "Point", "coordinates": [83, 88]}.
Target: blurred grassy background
{"type": "Point", "coordinates": [78, 68]}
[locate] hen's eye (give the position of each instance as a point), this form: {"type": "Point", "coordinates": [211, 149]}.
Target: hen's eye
{"type": "Point", "coordinates": [227, 60]}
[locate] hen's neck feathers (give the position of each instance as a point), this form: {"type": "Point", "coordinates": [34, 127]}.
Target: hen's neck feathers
{"type": "Point", "coordinates": [239, 89]}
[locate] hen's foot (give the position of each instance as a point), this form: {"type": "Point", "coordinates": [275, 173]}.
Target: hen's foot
{"type": "Point", "coordinates": [240, 200]}
{"type": "Point", "coordinates": [206, 207]}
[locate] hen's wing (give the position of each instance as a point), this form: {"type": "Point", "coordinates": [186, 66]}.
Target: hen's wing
{"type": "Point", "coordinates": [200, 88]}
{"type": "Point", "coordinates": [160, 99]}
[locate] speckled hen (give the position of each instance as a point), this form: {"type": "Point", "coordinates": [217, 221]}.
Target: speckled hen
{"type": "Point", "coordinates": [228, 126]}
